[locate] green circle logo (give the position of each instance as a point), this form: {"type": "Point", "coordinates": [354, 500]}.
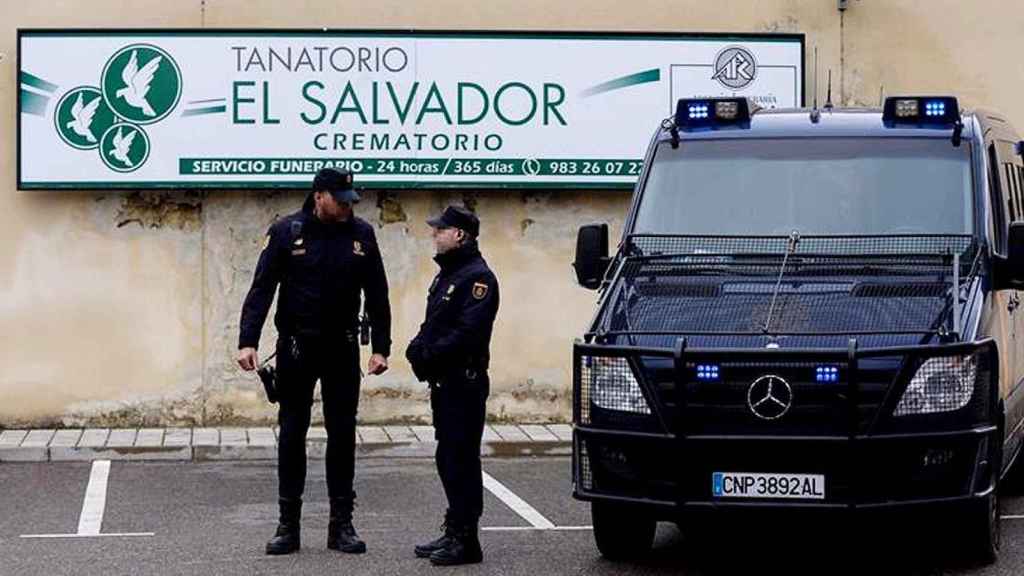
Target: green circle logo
{"type": "Point", "coordinates": [82, 117]}
{"type": "Point", "coordinates": [124, 147]}
{"type": "Point", "coordinates": [141, 83]}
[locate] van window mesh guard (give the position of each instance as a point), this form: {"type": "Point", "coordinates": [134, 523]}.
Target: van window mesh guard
{"type": "Point", "coordinates": [831, 285]}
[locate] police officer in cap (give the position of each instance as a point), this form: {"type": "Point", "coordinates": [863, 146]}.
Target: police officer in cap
{"type": "Point", "coordinates": [452, 352]}
{"type": "Point", "coordinates": [323, 258]}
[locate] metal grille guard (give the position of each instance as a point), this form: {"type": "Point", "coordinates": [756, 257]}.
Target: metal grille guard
{"type": "Point", "coordinates": [673, 429]}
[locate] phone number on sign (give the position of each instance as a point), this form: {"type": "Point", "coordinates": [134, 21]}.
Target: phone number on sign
{"type": "Point", "coordinates": [592, 168]}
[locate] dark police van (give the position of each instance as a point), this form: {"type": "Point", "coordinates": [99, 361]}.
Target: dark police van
{"type": "Point", "coordinates": [808, 309]}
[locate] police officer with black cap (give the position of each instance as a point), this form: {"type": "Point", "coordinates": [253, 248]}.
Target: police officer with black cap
{"type": "Point", "coordinates": [452, 353]}
{"type": "Point", "coordinates": [322, 257]}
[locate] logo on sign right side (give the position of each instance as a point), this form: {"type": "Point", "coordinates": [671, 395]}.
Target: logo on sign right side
{"type": "Point", "coordinates": [735, 67]}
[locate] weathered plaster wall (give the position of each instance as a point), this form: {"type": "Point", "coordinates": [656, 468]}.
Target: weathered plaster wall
{"type": "Point", "coordinates": [937, 46]}
{"type": "Point", "coordinates": [122, 308]}
{"type": "Point", "coordinates": [528, 239]}
{"type": "Point", "coordinates": [100, 294]}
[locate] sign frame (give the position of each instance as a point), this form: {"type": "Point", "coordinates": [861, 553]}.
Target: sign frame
{"type": "Point", "coordinates": [425, 183]}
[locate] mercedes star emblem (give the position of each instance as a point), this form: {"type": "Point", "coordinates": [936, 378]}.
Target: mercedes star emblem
{"type": "Point", "coordinates": [769, 397]}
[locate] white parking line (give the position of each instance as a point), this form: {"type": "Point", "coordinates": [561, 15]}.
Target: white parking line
{"type": "Point", "coordinates": [111, 535]}
{"type": "Point", "coordinates": [1012, 517]}
{"type": "Point", "coordinates": [95, 499]}
{"type": "Point", "coordinates": [528, 528]}
{"type": "Point", "coordinates": [517, 504]}
{"type": "Point", "coordinates": [91, 519]}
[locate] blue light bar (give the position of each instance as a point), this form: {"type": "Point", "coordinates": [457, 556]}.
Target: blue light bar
{"type": "Point", "coordinates": [712, 113]}
{"type": "Point", "coordinates": [707, 372]}
{"type": "Point", "coordinates": [697, 110]}
{"type": "Point", "coordinates": [826, 374]}
{"type": "Point", "coordinates": [934, 108]}
{"type": "Point", "coordinates": [921, 111]}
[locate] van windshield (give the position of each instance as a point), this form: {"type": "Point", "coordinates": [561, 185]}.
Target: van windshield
{"type": "Point", "coordinates": [856, 186]}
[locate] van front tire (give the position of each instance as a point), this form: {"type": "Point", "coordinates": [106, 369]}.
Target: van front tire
{"type": "Point", "coordinates": [983, 530]}
{"type": "Point", "coordinates": [621, 533]}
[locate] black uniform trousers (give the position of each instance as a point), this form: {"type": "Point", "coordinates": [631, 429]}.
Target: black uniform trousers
{"type": "Point", "coordinates": [335, 362]}
{"type": "Point", "coordinates": [459, 410]}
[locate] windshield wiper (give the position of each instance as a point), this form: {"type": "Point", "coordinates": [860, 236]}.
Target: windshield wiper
{"type": "Point", "coordinates": [794, 240]}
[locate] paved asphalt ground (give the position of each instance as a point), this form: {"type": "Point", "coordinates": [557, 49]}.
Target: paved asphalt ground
{"type": "Point", "coordinates": [213, 518]}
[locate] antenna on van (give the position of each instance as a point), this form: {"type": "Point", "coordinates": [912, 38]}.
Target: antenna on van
{"type": "Point", "coordinates": [828, 97]}
{"type": "Point", "coordinates": [881, 94]}
{"type": "Point", "coordinates": [815, 113]}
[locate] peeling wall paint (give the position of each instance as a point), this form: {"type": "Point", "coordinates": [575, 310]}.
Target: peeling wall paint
{"type": "Point", "coordinates": [121, 309]}
{"type": "Point", "coordinates": [161, 209]}
{"type": "Point", "coordinates": [390, 205]}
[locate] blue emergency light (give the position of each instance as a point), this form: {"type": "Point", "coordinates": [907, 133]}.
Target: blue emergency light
{"type": "Point", "coordinates": [712, 113]}
{"type": "Point", "coordinates": [942, 111]}
{"type": "Point", "coordinates": [826, 374]}
{"type": "Point", "coordinates": [707, 372]}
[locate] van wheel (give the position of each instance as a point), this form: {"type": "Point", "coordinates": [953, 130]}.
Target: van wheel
{"type": "Point", "coordinates": [984, 529]}
{"type": "Point", "coordinates": [621, 533]}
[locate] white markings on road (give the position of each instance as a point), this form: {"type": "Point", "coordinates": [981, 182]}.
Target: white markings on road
{"type": "Point", "coordinates": [529, 528]}
{"type": "Point", "coordinates": [91, 519]}
{"type": "Point", "coordinates": [1012, 517]}
{"type": "Point", "coordinates": [112, 535]}
{"type": "Point", "coordinates": [517, 504]}
{"type": "Point", "coordinates": [95, 499]}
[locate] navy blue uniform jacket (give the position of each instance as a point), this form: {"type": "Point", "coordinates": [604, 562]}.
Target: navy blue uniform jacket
{"type": "Point", "coordinates": [461, 307]}
{"type": "Point", "coordinates": [321, 269]}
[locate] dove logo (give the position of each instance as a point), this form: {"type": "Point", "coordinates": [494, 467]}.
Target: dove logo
{"type": "Point", "coordinates": [141, 83]}
{"type": "Point", "coordinates": [124, 147]}
{"type": "Point", "coordinates": [82, 117]}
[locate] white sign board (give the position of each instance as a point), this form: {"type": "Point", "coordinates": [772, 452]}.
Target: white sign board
{"type": "Point", "coordinates": [248, 109]}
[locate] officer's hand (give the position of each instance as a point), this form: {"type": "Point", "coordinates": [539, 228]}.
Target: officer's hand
{"type": "Point", "coordinates": [378, 364]}
{"type": "Point", "coordinates": [247, 359]}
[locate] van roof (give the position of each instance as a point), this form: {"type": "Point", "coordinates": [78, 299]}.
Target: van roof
{"type": "Point", "coordinates": [832, 123]}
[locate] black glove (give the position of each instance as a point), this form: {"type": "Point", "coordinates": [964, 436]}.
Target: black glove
{"type": "Point", "coordinates": [415, 354]}
{"type": "Point", "coordinates": [268, 376]}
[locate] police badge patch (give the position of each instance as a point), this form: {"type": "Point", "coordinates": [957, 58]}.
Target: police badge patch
{"type": "Point", "coordinates": [479, 290]}
{"type": "Point", "coordinates": [357, 248]}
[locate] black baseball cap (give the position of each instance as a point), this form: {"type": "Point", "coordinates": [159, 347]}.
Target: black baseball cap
{"type": "Point", "coordinates": [338, 183]}
{"type": "Point", "coordinates": [457, 217]}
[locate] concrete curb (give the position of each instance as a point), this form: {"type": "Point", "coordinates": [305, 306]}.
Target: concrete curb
{"type": "Point", "coordinates": [260, 444]}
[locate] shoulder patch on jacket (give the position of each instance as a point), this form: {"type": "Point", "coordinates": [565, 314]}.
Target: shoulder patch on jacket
{"type": "Point", "coordinates": [479, 290]}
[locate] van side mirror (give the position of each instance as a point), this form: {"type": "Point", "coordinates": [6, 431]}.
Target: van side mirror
{"type": "Point", "coordinates": [591, 255]}
{"type": "Point", "coordinates": [1009, 271]}
{"type": "Point", "coordinates": [1014, 266]}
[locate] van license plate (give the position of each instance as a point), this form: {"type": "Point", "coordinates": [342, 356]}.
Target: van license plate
{"type": "Point", "coordinates": [744, 485]}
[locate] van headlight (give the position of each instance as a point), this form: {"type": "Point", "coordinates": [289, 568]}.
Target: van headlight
{"type": "Point", "coordinates": [942, 384]}
{"type": "Point", "coordinates": [612, 384]}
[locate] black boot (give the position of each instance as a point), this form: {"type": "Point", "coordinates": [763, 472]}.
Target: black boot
{"type": "Point", "coordinates": [462, 548]}
{"type": "Point", "coordinates": [286, 539]}
{"type": "Point", "coordinates": [341, 535]}
{"type": "Point", "coordinates": [425, 550]}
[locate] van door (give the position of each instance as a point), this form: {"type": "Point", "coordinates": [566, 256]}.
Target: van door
{"type": "Point", "coordinates": [1006, 174]}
